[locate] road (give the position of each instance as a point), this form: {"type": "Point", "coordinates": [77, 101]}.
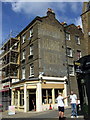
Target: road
{"type": "Point", "coordinates": [45, 115]}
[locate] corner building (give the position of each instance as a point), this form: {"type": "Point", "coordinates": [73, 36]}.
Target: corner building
{"type": "Point", "coordinates": [47, 50]}
{"type": "Point", "coordinates": [42, 54]}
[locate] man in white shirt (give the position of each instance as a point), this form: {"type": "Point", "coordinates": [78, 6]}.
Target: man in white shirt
{"type": "Point", "coordinates": [73, 99]}
{"type": "Point", "coordinates": [60, 102]}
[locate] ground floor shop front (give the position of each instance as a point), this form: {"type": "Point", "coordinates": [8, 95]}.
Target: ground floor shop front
{"type": "Point", "coordinates": [38, 95]}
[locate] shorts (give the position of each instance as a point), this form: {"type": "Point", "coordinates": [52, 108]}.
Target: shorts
{"type": "Point", "coordinates": [61, 109]}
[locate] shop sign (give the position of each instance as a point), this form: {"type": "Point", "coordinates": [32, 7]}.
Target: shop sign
{"type": "Point", "coordinates": [6, 85]}
{"type": "Point", "coordinates": [11, 110]}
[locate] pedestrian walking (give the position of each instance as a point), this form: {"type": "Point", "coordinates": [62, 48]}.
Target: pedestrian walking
{"type": "Point", "coordinates": [74, 102]}
{"type": "Point", "coordinates": [60, 102]}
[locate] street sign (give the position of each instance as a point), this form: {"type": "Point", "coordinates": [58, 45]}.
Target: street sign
{"type": "Point", "coordinates": [77, 63]}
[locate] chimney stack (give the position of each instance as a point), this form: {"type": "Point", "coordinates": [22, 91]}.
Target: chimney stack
{"type": "Point", "coordinates": [50, 13]}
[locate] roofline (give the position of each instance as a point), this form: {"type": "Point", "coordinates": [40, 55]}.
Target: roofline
{"type": "Point", "coordinates": [85, 12]}
{"type": "Point", "coordinates": [71, 25]}
{"type": "Point", "coordinates": [36, 18]}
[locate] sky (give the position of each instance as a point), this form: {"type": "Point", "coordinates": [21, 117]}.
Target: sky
{"type": "Point", "coordinates": [17, 15]}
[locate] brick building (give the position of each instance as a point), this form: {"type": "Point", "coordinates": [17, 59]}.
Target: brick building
{"type": "Point", "coordinates": [86, 25]}
{"type": "Point", "coordinates": [39, 62]}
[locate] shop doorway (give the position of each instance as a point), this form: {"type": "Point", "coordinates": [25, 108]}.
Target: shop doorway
{"type": "Point", "coordinates": [32, 100]}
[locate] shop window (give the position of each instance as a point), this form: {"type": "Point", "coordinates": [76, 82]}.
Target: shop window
{"type": "Point", "coordinates": [57, 92]}
{"type": "Point", "coordinates": [21, 98]}
{"type": "Point", "coordinates": [16, 98]}
{"type": "Point", "coordinates": [47, 96]}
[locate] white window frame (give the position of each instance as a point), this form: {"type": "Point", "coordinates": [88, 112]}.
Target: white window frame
{"type": "Point", "coordinates": [24, 38]}
{"type": "Point", "coordinates": [31, 70]}
{"type": "Point", "coordinates": [23, 73]}
{"type": "Point", "coordinates": [77, 38]}
{"type": "Point", "coordinates": [67, 36]}
{"type": "Point", "coordinates": [70, 51]}
{"type": "Point", "coordinates": [31, 50]}
{"type": "Point", "coordinates": [31, 32]}
{"type": "Point", "coordinates": [71, 74]}
{"type": "Point", "coordinates": [23, 54]}
{"type": "Point", "coordinates": [80, 55]}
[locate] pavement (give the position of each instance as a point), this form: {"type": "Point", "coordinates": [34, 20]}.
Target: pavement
{"type": "Point", "coordinates": [44, 115]}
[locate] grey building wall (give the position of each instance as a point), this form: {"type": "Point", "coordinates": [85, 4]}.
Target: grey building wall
{"type": "Point", "coordinates": [51, 47]}
{"type": "Point", "coordinates": [74, 31]}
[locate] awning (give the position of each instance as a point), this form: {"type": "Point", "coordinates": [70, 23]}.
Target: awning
{"type": "Point", "coordinates": [4, 90]}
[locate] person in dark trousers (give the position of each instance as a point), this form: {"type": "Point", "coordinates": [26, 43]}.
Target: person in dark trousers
{"type": "Point", "coordinates": [74, 102]}
{"type": "Point", "coordinates": [60, 102]}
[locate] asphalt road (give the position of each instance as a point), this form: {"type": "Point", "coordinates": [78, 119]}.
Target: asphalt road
{"type": "Point", "coordinates": [45, 115]}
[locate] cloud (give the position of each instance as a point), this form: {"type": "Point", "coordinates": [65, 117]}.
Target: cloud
{"type": "Point", "coordinates": [74, 6]}
{"type": "Point", "coordinates": [30, 8]}
{"type": "Point", "coordinates": [78, 21]}
{"type": "Point", "coordinates": [40, 7]}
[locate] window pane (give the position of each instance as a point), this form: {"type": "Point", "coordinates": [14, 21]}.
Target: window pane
{"type": "Point", "coordinates": [67, 36]}
{"type": "Point", "coordinates": [69, 52]}
{"type": "Point", "coordinates": [77, 39]}
{"type": "Point", "coordinates": [16, 98]}
{"type": "Point", "coordinates": [71, 70]}
{"type": "Point", "coordinates": [23, 73]}
{"type": "Point", "coordinates": [31, 70]}
{"type": "Point", "coordinates": [44, 100]}
{"type": "Point", "coordinates": [23, 38]}
{"type": "Point", "coordinates": [21, 98]}
{"type": "Point", "coordinates": [23, 54]}
{"type": "Point", "coordinates": [78, 54]}
{"type": "Point", "coordinates": [47, 96]}
{"type": "Point", "coordinates": [31, 49]}
{"type": "Point", "coordinates": [31, 32]}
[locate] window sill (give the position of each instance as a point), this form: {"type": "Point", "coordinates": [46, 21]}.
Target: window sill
{"type": "Point", "coordinates": [72, 75]}
{"type": "Point", "coordinates": [23, 79]}
{"type": "Point", "coordinates": [78, 44]}
{"type": "Point", "coordinates": [30, 56]}
{"type": "Point", "coordinates": [23, 42]}
{"type": "Point", "coordinates": [23, 60]}
{"type": "Point", "coordinates": [69, 56]}
{"type": "Point", "coordinates": [31, 76]}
